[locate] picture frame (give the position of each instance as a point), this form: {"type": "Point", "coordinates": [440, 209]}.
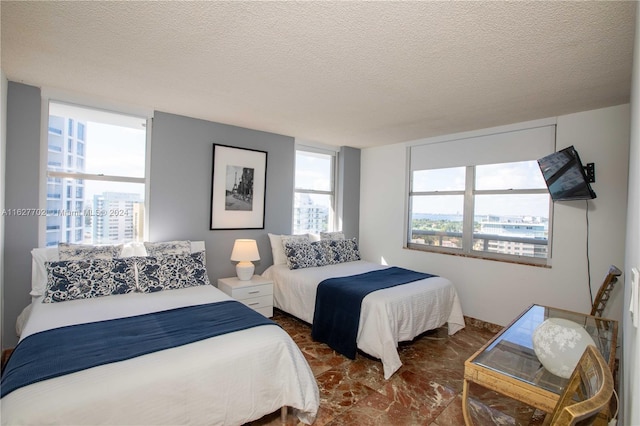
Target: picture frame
{"type": "Point", "coordinates": [238, 188]}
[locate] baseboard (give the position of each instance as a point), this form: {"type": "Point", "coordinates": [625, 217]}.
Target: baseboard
{"type": "Point", "coordinates": [494, 328]}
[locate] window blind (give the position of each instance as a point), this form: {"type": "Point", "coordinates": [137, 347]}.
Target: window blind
{"type": "Point", "coordinates": [500, 147]}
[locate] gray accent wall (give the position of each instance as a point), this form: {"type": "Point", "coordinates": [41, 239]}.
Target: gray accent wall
{"type": "Point", "coordinates": [21, 192]}
{"type": "Point", "coordinates": [349, 191]}
{"type": "Point", "coordinates": [180, 191]}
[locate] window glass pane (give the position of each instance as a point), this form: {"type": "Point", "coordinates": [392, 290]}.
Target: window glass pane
{"type": "Point", "coordinates": [312, 213]}
{"type": "Point", "coordinates": [512, 224]}
{"type": "Point", "coordinates": [106, 143]}
{"type": "Point", "coordinates": [534, 206]}
{"type": "Point", "coordinates": [436, 220]}
{"type": "Point", "coordinates": [114, 144]}
{"type": "Point", "coordinates": [520, 175]}
{"type": "Point", "coordinates": [105, 205]}
{"type": "Point", "coordinates": [449, 179]}
{"type": "Point", "coordinates": [314, 171]}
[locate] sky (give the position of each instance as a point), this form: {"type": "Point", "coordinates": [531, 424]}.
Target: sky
{"type": "Point", "coordinates": [520, 175]}
{"type": "Point", "coordinates": [115, 151]}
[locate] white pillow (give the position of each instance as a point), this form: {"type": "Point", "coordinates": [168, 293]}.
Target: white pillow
{"type": "Point", "coordinates": [168, 247]}
{"type": "Point", "coordinates": [277, 247]}
{"type": "Point", "coordinates": [133, 249]}
{"type": "Point", "coordinates": [337, 235]}
{"type": "Point", "coordinates": [68, 251]}
{"type": "Point", "coordinates": [38, 270]}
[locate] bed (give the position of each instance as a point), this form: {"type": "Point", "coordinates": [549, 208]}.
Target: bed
{"type": "Point", "coordinates": [228, 379]}
{"type": "Point", "coordinates": [387, 316]}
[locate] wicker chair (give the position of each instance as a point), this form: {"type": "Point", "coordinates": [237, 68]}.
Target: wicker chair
{"type": "Point", "coordinates": [602, 297]}
{"type": "Point", "coordinates": [588, 392]}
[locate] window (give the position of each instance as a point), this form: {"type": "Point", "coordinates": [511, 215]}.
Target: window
{"type": "Point", "coordinates": [314, 200]}
{"type": "Point", "coordinates": [497, 210]}
{"type": "Point", "coordinates": [107, 167]}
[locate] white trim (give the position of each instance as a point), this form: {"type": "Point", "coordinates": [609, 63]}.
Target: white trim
{"type": "Point", "coordinates": [90, 176]}
{"type": "Point", "coordinates": [301, 145]}
{"type": "Point", "coordinates": [44, 157]}
{"type": "Point", "coordinates": [83, 100]}
{"type": "Point", "coordinates": [147, 178]}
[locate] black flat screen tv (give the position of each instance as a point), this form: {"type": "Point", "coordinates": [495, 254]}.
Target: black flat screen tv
{"type": "Point", "coordinates": [565, 176]}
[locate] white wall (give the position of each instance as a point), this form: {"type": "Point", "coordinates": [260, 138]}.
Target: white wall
{"type": "Point", "coordinates": [630, 377]}
{"type": "Point", "coordinates": [497, 291]}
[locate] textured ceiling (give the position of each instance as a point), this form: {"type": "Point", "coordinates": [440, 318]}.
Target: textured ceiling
{"type": "Point", "coordinates": [339, 73]}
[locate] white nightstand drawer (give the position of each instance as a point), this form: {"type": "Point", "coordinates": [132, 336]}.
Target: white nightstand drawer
{"type": "Point", "coordinates": [258, 302]}
{"type": "Point", "coordinates": [256, 293]}
{"type": "Point", "coordinates": [266, 311]}
{"type": "Point", "coordinates": [252, 291]}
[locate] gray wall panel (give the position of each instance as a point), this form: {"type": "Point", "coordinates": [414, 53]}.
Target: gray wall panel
{"type": "Point", "coordinates": [349, 190]}
{"type": "Point", "coordinates": [21, 192]}
{"type": "Point", "coordinates": [180, 192]}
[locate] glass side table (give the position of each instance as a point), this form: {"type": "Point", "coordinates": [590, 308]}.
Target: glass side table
{"type": "Point", "coordinates": [509, 365]}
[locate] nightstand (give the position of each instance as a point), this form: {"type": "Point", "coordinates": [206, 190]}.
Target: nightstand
{"type": "Point", "coordinates": [256, 293]}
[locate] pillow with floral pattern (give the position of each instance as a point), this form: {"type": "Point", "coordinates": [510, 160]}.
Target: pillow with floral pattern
{"type": "Point", "coordinates": [85, 279]}
{"type": "Point", "coordinates": [87, 251]}
{"type": "Point", "coordinates": [169, 272]}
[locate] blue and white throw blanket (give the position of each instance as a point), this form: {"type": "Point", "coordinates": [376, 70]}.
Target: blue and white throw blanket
{"type": "Point", "coordinates": [339, 300]}
{"type": "Point", "coordinates": [73, 348]}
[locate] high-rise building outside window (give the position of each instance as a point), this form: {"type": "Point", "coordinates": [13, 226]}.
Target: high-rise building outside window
{"type": "Point", "coordinates": [314, 201]}
{"type": "Point", "coordinates": [102, 182]}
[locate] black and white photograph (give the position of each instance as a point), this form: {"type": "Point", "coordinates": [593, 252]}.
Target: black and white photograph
{"type": "Point", "coordinates": [238, 186]}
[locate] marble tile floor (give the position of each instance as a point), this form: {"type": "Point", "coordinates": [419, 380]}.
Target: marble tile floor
{"type": "Point", "coordinates": [427, 390]}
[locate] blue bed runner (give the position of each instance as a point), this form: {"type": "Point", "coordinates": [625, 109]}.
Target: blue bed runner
{"type": "Point", "coordinates": [339, 301]}
{"type": "Point", "coordinates": [69, 349]}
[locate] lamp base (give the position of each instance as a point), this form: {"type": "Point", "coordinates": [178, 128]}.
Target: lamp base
{"type": "Point", "coordinates": [244, 270]}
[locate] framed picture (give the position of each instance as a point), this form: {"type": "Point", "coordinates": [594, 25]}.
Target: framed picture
{"type": "Point", "coordinates": [238, 186]}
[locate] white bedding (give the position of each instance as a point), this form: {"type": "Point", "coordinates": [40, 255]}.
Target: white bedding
{"type": "Point", "coordinates": [225, 380]}
{"type": "Point", "coordinates": [387, 316]}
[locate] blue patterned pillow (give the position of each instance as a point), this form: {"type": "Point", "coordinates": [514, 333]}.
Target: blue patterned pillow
{"type": "Point", "coordinates": [87, 251]}
{"type": "Point", "coordinates": [168, 247]}
{"type": "Point", "coordinates": [340, 251]}
{"type": "Point", "coordinates": [85, 279]}
{"type": "Point", "coordinates": [338, 235]}
{"type": "Point", "coordinates": [157, 273]}
{"type": "Point", "coordinates": [305, 255]}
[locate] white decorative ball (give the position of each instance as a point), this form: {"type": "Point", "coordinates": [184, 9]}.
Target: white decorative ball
{"type": "Point", "coordinates": [559, 344]}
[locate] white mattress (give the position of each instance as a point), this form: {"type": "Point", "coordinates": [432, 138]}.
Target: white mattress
{"type": "Point", "coordinates": [387, 316]}
{"type": "Point", "coordinates": [225, 380]}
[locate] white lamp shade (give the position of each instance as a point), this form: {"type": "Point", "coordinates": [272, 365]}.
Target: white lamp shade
{"type": "Point", "coordinates": [245, 250]}
{"type": "Point", "coordinates": [559, 344]}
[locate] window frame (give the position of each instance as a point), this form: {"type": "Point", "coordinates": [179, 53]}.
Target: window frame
{"type": "Point", "coordinates": [61, 97]}
{"type": "Point", "coordinates": [333, 192]}
{"type": "Point", "coordinates": [469, 193]}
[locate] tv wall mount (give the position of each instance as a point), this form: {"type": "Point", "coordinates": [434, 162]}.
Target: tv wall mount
{"type": "Point", "coordinates": [590, 171]}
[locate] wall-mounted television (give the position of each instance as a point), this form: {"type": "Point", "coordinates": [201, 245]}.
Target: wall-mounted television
{"type": "Point", "coordinates": [565, 176]}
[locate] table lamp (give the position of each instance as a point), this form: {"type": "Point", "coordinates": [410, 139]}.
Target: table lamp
{"type": "Point", "coordinates": [559, 343]}
{"type": "Point", "coordinates": [244, 252]}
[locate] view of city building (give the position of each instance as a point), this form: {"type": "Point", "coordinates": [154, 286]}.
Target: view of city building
{"type": "Point", "coordinates": [78, 210]}
{"type": "Point", "coordinates": [309, 216]}
{"type": "Point", "coordinates": [116, 217]}
{"type": "Point", "coordinates": [66, 146]}
{"type": "Point", "coordinates": [514, 235]}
